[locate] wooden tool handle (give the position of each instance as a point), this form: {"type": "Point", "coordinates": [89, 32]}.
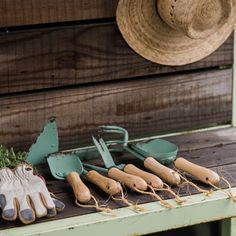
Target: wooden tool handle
{"type": "Point", "coordinates": [129, 180]}
{"type": "Point", "coordinates": [203, 174]}
{"type": "Point", "coordinates": [81, 192]}
{"type": "Point", "coordinates": [168, 175]}
{"type": "Point", "coordinates": [108, 185]}
{"type": "Point", "coordinates": [151, 179]}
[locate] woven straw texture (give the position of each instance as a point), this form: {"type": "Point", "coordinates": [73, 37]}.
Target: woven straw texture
{"type": "Point", "coordinates": [175, 32]}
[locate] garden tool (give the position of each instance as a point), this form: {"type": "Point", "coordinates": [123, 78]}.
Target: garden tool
{"type": "Point", "coordinates": [66, 166]}
{"type": "Point", "coordinates": [69, 166]}
{"type": "Point", "coordinates": [166, 153]}
{"type": "Point", "coordinates": [118, 172]}
{"type": "Point", "coordinates": [115, 171]}
{"type": "Point", "coordinates": [151, 179]}
{"type": "Point", "coordinates": [122, 198]}
{"type": "Point", "coordinates": [19, 188]}
{"type": "Point", "coordinates": [111, 191]}
{"type": "Point", "coordinates": [46, 144]}
{"type": "Point", "coordinates": [168, 175]}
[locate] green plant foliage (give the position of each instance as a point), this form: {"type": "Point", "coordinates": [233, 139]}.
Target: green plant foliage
{"type": "Point", "coordinates": [8, 158]}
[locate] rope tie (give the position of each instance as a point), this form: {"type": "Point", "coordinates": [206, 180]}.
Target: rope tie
{"type": "Point", "coordinates": [96, 206]}
{"type": "Point", "coordinates": [167, 188]}
{"type": "Point", "coordinates": [162, 202]}
{"type": "Point", "coordinates": [132, 206]}
{"type": "Point", "coordinates": [186, 181]}
{"type": "Point", "coordinates": [229, 193]}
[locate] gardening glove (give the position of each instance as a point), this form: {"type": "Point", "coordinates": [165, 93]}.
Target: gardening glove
{"type": "Point", "coordinates": [7, 194]}
{"type": "Point", "coordinates": [24, 193]}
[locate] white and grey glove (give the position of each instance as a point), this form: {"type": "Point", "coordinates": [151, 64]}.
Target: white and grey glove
{"type": "Point", "coordinates": [24, 193]}
{"type": "Point", "coordinates": [9, 185]}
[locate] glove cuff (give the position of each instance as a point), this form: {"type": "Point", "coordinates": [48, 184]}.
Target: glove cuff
{"type": "Point", "coordinates": [6, 174]}
{"type": "Point", "coordinates": [23, 170]}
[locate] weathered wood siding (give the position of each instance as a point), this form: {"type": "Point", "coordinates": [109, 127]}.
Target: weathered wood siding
{"type": "Point", "coordinates": [144, 106]}
{"type": "Point", "coordinates": [80, 70]}
{"type": "Point", "coordinates": [61, 56]}
{"type": "Point", "coordinates": [28, 12]}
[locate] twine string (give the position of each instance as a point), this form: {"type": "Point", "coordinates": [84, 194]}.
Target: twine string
{"type": "Point", "coordinates": [129, 203]}
{"type": "Point", "coordinates": [162, 202]}
{"type": "Point", "coordinates": [167, 188]}
{"type": "Point", "coordinates": [186, 181]}
{"type": "Point", "coordinates": [95, 205]}
{"type": "Point", "coordinates": [53, 195]}
{"type": "Point", "coordinates": [229, 193]}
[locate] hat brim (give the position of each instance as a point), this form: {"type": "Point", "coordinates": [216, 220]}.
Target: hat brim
{"type": "Point", "coordinates": [148, 35]}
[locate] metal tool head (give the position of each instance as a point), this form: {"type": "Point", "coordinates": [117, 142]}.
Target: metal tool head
{"type": "Point", "coordinates": [160, 149]}
{"type": "Point", "coordinates": [62, 164]}
{"type": "Point", "coordinates": [118, 130]}
{"type": "Point", "coordinates": [45, 144]}
{"type": "Point", "coordinates": [105, 154]}
{"type": "Point", "coordinates": [96, 168]}
{"type": "Point", "coordinates": [120, 145]}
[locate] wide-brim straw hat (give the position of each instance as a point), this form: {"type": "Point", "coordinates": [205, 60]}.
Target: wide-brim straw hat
{"type": "Point", "coordinates": [175, 32]}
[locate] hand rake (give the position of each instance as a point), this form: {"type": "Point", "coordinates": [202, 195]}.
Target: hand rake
{"type": "Point", "coordinates": [116, 171]}
{"type": "Point", "coordinates": [132, 177]}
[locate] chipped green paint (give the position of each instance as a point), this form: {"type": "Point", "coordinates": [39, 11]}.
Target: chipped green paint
{"type": "Point", "coordinates": [46, 143]}
{"type": "Point", "coordinates": [232, 227]}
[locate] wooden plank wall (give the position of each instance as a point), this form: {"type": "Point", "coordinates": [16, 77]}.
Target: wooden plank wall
{"type": "Point", "coordinates": [28, 12]}
{"type": "Point", "coordinates": [67, 59]}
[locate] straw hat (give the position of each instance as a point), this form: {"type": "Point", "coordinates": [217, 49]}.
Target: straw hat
{"type": "Point", "coordinates": [175, 32]}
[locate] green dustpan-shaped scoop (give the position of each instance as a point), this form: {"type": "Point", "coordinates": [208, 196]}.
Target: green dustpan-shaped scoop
{"type": "Point", "coordinates": [162, 150]}
{"type": "Point", "coordinates": [61, 165]}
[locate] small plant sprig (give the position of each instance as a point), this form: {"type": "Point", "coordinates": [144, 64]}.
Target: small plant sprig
{"type": "Point", "coordinates": [9, 158]}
